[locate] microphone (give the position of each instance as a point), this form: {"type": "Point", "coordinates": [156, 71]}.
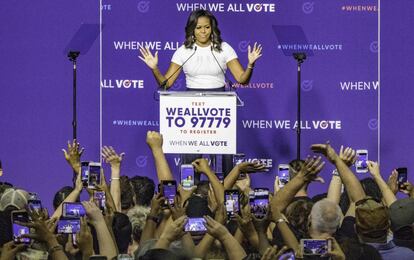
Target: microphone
{"type": "Point", "coordinates": [164, 83]}
{"type": "Point", "coordinates": [228, 81]}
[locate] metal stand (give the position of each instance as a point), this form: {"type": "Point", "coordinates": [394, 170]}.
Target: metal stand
{"type": "Point", "coordinates": [300, 58]}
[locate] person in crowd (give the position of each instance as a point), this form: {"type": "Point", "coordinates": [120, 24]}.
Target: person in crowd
{"type": "Point", "coordinates": [377, 227]}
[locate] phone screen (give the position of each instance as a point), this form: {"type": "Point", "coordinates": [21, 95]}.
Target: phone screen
{"type": "Point", "coordinates": [314, 246]}
{"type": "Point", "coordinates": [94, 175]}
{"type": "Point", "coordinates": [195, 225]}
{"type": "Point", "coordinates": [260, 203]}
{"type": "Point", "coordinates": [288, 255]}
{"type": "Point", "coordinates": [402, 175]}
{"type": "Point", "coordinates": [231, 200]}
{"type": "Point", "coordinates": [68, 226]}
{"type": "Point", "coordinates": [35, 205]}
{"type": "Point", "coordinates": [99, 199]}
{"type": "Point", "coordinates": [169, 191]}
{"type": "Point", "coordinates": [361, 161]}
{"type": "Point", "coordinates": [85, 173]}
{"type": "Point", "coordinates": [187, 176]}
{"type": "Point", "coordinates": [73, 210]}
{"type": "Point", "coordinates": [283, 174]}
{"type": "Point", "coordinates": [19, 230]}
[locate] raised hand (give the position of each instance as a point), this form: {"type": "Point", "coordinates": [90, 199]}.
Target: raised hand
{"type": "Point", "coordinates": [325, 149]}
{"type": "Point", "coordinates": [156, 204]}
{"type": "Point", "coordinates": [175, 230]}
{"type": "Point", "coordinates": [254, 53]}
{"type": "Point", "coordinates": [154, 139]}
{"type": "Point", "coordinates": [10, 249]}
{"type": "Point", "coordinates": [84, 238]}
{"type": "Point", "coordinates": [311, 168]}
{"type": "Point", "coordinates": [93, 212]}
{"type": "Point", "coordinates": [178, 210]}
{"type": "Point", "coordinates": [110, 156]}
{"type": "Point", "coordinates": [148, 58]}
{"type": "Point", "coordinates": [184, 194]}
{"type": "Point", "coordinates": [251, 167]}
{"type": "Point", "coordinates": [73, 154]}
{"type": "Point", "coordinates": [335, 252]}
{"type": "Point", "coordinates": [348, 155]}
{"type": "Point", "coordinates": [201, 165]}
{"type": "Point", "coordinates": [393, 182]}
{"type": "Point", "coordinates": [215, 229]}
{"type": "Point", "coordinates": [373, 168]}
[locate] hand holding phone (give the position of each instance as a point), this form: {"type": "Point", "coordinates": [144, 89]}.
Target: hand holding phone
{"type": "Point", "coordinates": [94, 177]}
{"type": "Point", "coordinates": [68, 226]}
{"type": "Point", "coordinates": [232, 202]}
{"type": "Point", "coordinates": [100, 199]}
{"type": "Point", "coordinates": [361, 165]}
{"type": "Point", "coordinates": [19, 230]}
{"type": "Point", "coordinates": [283, 174]}
{"type": "Point", "coordinates": [402, 177]}
{"type": "Point", "coordinates": [195, 226]}
{"type": "Point", "coordinates": [260, 204]}
{"type": "Point", "coordinates": [315, 246]}
{"type": "Point", "coordinates": [168, 191]}
{"type": "Point", "coordinates": [187, 176]}
{"type": "Point", "coordinates": [73, 210]}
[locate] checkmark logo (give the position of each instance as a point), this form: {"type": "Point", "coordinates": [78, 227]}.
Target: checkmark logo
{"type": "Point", "coordinates": [141, 161]}
{"type": "Point", "coordinates": [307, 85]}
{"type": "Point", "coordinates": [307, 7]}
{"type": "Point", "coordinates": [243, 46]}
{"type": "Point", "coordinates": [373, 47]}
{"type": "Point", "coordinates": [143, 6]}
{"type": "Point", "coordinates": [373, 124]}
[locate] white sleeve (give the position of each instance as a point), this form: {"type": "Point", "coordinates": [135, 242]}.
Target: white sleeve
{"type": "Point", "coordinates": [178, 56]}
{"type": "Point", "coordinates": [228, 51]}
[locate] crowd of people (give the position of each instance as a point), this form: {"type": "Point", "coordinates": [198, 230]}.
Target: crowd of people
{"type": "Point", "coordinates": [353, 219]}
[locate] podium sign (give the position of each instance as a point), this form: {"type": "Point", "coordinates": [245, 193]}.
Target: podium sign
{"type": "Point", "coordinates": [198, 122]}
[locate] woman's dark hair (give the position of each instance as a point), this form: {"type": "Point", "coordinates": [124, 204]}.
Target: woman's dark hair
{"type": "Point", "coordinates": [61, 195]}
{"type": "Point", "coordinates": [369, 186]}
{"type": "Point", "coordinates": [122, 229]}
{"type": "Point", "coordinates": [192, 23]}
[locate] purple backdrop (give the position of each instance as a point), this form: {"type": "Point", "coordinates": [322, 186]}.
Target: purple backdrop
{"type": "Point", "coordinates": [339, 85]}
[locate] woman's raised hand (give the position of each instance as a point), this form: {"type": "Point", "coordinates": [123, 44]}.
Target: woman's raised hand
{"type": "Point", "coordinates": [254, 53]}
{"type": "Point", "coordinates": [148, 58]}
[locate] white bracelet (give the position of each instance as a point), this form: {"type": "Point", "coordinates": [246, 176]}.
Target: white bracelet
{"type": "Point", "coordinates": [115, 178]}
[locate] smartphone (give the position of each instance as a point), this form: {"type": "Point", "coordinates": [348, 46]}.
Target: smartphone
{"type": "Point", "coordinates": [315, 246]}
{"type": "Point", "coordinates": [35, 205]}
{"type": "Point", "coordinates": [169, 190]}
{"type": "Point", "coordinates": [187, 176]}
{"type": "Point", "coordinates": [402, 176]}
{"type": "Point", "coordinates": [19, 230]}
{"type": "Point", "coordinates": [361, 165]}
{"type": "Point", "coordinates": [196, 226]}
{"type": "Point", "coordinates": [232, 202]}
{"type": "Point", "coordinates": [72, 210]}
{"type": "Point", "coordinates": [260, 204]}
{"type": "Point", "coordinates": [85, 173]}
{"type": "Point", "coordinates": [68, 226]}
{"type": "Point", "coordinates": [100, 199]}
{"type": "Point", "coordinates": [288, 255]}
{"type": "Point", "coordinates": [94, 177]}
{"type": "Point", "coordinates": [283, 174]}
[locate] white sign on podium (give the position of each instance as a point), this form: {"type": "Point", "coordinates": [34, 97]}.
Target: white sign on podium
{"type": "Point", "coordinates": [198, 122]}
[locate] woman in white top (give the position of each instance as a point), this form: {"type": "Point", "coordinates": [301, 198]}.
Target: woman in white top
{"type": "Point", "coordinates": [205, 57]}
